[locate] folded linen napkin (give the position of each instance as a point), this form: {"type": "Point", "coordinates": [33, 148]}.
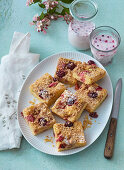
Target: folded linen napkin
{"type": "Point", "coordinates": [14, 68]}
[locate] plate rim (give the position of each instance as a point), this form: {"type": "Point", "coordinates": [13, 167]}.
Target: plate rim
{"type": "Point", "coordinates": [33, 69]}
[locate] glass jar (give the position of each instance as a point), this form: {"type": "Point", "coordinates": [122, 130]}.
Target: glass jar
{"type": "Point", "coordinates": [80, 27]}
{"type": "Point", "coordinates": [104, 42]}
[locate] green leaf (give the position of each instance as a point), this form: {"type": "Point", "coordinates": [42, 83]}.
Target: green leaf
{"type": "Point", "coordinates": [58, 13]}
{"type": "Point", "coordinates": [42, 16]}
{"type": "Point", "coordinates": [64, 11]}
{"type": "Point", "coordinates": [41, 5]}
{"type": "Point", "coordinates": [35, 1]}
{"type": "Point", "coordinates": [67, 1]}
{"type": "Point", "coordinates": [52, 11]}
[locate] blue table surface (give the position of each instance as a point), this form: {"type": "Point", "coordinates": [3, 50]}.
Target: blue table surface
{"type": "Point", "coordinates": [15, 16]}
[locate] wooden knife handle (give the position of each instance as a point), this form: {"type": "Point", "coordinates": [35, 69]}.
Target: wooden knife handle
{"type": "Point", "coordinates": [109, 146]}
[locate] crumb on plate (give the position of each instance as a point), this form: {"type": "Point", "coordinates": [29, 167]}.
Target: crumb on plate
{"type": "Point", "coordinates": [48, 139]}
{"type": "Point", "coordinates": [87, 122]}
{"type": "Point", "coordinates": [32, 103]}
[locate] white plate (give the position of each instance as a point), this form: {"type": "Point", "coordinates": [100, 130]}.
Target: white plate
{"type": "Point", "coordinates": [49, 65]}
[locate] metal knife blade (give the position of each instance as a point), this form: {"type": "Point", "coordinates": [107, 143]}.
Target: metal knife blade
{"type": "Point", "coordinates": [116, 102]}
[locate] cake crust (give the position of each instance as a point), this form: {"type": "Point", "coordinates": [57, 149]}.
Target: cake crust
{"type": "Point", "coordinates": [69, 106]}
{"type": "Point", "coordinates": [47, 89]}
{"type": "Point", "coordinates": [64, 70]}
{"type": "Point", "coordinates": [69, 135]}
{"type": "Point", "coordinates": [88, 73]}
{"type": "Point", "coordinates": [93, 95]}
{"type": "Point", "coordinates": [38, 117]}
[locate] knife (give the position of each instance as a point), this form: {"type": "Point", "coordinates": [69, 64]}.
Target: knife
{"type": "Point", "coordinates": [109, 146]}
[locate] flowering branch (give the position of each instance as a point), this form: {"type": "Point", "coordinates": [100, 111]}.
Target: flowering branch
{"type": "Point", "coordinates": [50, 11]}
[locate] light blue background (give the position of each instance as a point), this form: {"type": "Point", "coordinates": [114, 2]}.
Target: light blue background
{"type": "Point", "coordinates": [15, 16]}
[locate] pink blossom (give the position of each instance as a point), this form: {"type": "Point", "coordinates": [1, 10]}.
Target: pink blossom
{"type": "Point", "coordinates": [35, 17]}
{"type": "Point", "coordinates": [42, 25]}
{"type": "Point", "coordinates": [43, 20]}
{"type": "Point", "coordinates": [47, 21]}
{"type": "Point", "coordinates": [52, 17]}
{"type": "Point", "coordinates": [38, 25]}
{"type": "Point", "coordinates": [52, 3]}
{"type": "Point", "coordinates": [46, 5]}
{"type": "Point", "coordinates": [49, 4]}
{"type": "Point", "coordinates": [67, 18]}
{"type": "Point", "coordinates": [44, 31]}
{"type": "Point", "coordinates": [60, 16]}
{"type": "Point", "coordinates": [31, 23]}
{"type": "Point", "coordinates": [29, 2]}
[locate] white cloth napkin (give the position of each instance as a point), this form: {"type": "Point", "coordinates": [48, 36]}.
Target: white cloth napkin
{"type": "Point", "coordinates": [14, 68]}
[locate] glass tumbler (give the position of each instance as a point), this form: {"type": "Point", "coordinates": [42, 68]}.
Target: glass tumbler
{"type": "Point", "coordinates": [104, 42]}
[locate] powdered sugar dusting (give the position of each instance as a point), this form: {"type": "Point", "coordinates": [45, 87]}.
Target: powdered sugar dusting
{"type": "Point", "coordinates": [68, 94]}
{"type": "Point", "coordinates": [66, 141]}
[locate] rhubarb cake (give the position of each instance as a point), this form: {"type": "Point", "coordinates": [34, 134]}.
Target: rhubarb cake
{"type": "Point", "coordinates": [47, 89]}
{"type": "Point", "coordinates": [88, 73]}
{"type": "Point", "coordinates": [93, 95]}
{"type": "Point", "coordinates": [64, 70]}
{"type": "Point", "coordinates": [69, 106]}
{"type": "Point", "coordinates": [69, 135]}
{"type": "Point", "coordinates": [38, 117]}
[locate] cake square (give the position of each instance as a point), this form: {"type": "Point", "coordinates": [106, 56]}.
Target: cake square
{"type": "Point", "coordinates": [69, 135]}
{"type": "Point", "coordinates": [88, 73]}
{"type": "Point", "coordinates": [64, 70]}
{"type": "Point", "coordinates": [38, 117]}
{"type": "Point", "coordinates": [93, 95]}
{"type": "Point", "coordinates": [47, 89]}
{"type": "Point", "coordinates": [69, 106]}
